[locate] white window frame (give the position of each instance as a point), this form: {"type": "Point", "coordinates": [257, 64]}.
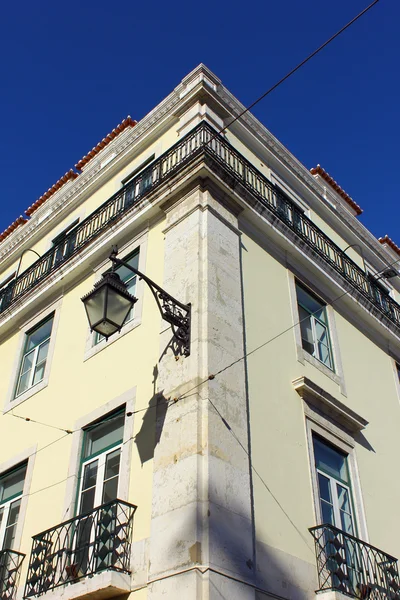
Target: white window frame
{"type": "Point", "coordinates": [128, 400]}
{"type": "Point", "coordinates": [27, 456]}
{"type": "Point", "coordinates": [139, 243]}
{"type": "Point", "coordinates": [303, 356]}
{"type": "Point", "coordinates": [333, 483]}
{"type": "Point", "coordinates": [325, 427]}
{"type": "Point", "coordinates": [313, 321]}
{"type": "Point", "coordinates": [5, 506]}
{"type": "Point", "coordinates": [102, 459]}
{"type": "Point", "coordinates": [35, 351]}
{"type": "Point", "coordinates": [13, 401]}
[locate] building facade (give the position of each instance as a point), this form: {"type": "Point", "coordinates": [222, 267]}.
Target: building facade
{"type": "Point", "coordinates": [256, 459]}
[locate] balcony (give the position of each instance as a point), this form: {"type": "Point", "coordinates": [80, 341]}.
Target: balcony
{"type": "Point", "coordinates": [222, 158]}
{"type": "Point", "coordinates": [95, 543]}
{"type": "Point", "coordinates": [348, 565]}
{"type": "Point", "coordinates": [10, 565]}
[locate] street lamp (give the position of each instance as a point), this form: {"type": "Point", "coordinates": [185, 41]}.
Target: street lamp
{"type": "Point", "coordinates": [109, 303]}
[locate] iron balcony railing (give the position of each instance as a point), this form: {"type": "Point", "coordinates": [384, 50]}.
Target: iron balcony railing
{"type": "Point", "coordinates": [87, 544]}
{"type": "Point", "coordinates": [353, 567]}
{"type": "Point", "coordinates": [220, 155]}
{"type": "Point", "coordinates": [10, 566]}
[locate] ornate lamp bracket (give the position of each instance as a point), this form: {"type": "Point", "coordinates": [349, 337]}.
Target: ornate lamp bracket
{"type": "Point", "coordinates": [177, 314]}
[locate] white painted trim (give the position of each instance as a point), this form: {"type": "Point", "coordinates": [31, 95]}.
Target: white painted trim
{"type": "Point", "coordinates": [318, 423]}
{"type": "Point", "coordinates": [29, 456]}
{"type": "Point", "coordinates": [12, 402]}
{"type": "Point", "coordinates": [326, 403]}
{"type": "Point", "coordinates": [302, 355]}
{"type": "Point", "coordinates": [139, 242]}
{"type": "Point", "coordinates": [128, 399]}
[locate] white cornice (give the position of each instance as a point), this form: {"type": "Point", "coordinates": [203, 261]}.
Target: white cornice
{"type": "Point", "coordinates": [109, 160]}
{"type": "Point", "coordinates": [328, 405]}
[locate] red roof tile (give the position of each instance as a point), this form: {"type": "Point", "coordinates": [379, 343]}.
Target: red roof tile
{"type": "Point", "coordinates": [128, 122]}
{"type": "Point", "coordinates": [318, 170]}
{"type": "Point", "coordinates": [69, 175]}
{"type": "Point", "coordinates": [20, 221]}
{"type": "Point", "coordinates": [389, 242]}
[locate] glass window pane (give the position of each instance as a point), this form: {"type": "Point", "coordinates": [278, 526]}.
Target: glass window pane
{"type": "Point", "coordinates": [306, 331]}
{"type": "Point", "coordinates": [327, 513]}
{"type": "Point", "coordinates": [346, 522]}
{"type": "Point", "coordinates": [12, 484]}
{"type": "Point", "coordinates": [112, 464]}
{"type": "Point", "coordinates": [324, 355]}
{"type": "Point", "coordinates": [330, 460]}
{"type": "Point", "coordinates": [13, 512]}
{"type": "Point", "coordinates": [324, 488]}
{"type": "Point", "coordinates": [322, 333]}
{"type": "Point", "coordinates": [87, 500]}
{"type": "Point", "coordinates": [310, 303]}
{"type": "Point", "coordinates": [9, 536]}
{"type": "Point", "coordinates": [38, 335]}
{"type": "Point", "coordinates": [42, 353]}
{"type": "Point", "coordinates": [110, 490]}
{"type": "Point", "coordinates": [89, 475]}
{"type": "Point", "coordinates": [23, 383]}
{"type": "Point", "coordinates": [104, 435]}
{"type": "Point", "coordinates": [343, 498]}
{"type": "Point", "coordinates": [133, 261]}
{"type": "Point", "coordinates": [27, 362]}
{"type": "Point", "coordinates": [39, 373]}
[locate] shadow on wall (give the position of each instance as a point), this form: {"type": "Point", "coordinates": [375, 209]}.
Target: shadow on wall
{"type": "Point", "coordinates": [149, 435]}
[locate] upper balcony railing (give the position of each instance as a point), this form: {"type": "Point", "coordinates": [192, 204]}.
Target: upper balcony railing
{"type": "Point", "coordinates": [10, 566]}
{"type": "Point", "coordinates": [87, 544]}
{"type": "Point", "coordinates": [202, 140]}
{"type": "Point", "coordinates": [353, 567]}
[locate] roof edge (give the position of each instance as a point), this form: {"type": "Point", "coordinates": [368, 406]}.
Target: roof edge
{"type": "Point", "coordinates": [318, 170]}
{"type": "Point", "coordinates": [69, 175]}
{"type": "Point", "coordinates": [128, 122]}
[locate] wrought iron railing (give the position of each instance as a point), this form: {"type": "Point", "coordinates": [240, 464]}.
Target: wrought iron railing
{"type": "Point", "coordinates": [10, 566]}
{"type": "Point", "coordinates": [87, 544]}
{"type": "Point", "coordinates": [353, 567]}
{"type": "Point", "coordinates": [202, 140]}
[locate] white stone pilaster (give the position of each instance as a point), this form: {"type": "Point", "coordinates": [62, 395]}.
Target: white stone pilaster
{"type": "Point", "coordinates": [202, 530]}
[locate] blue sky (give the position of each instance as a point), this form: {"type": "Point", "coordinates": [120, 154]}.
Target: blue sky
{"type": "Point", "coordinates": [71, 72]}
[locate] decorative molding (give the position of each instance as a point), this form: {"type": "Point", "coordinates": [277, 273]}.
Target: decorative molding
{"type": "Point", "coordinates": [201, 79]}
{"type": "Point", "coordinates": [328, 405]}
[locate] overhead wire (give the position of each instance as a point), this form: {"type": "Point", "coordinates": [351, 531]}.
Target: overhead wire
{"type": "Point", "coordinates": [212, 376]}
{"type": "Point", "coordinates": [302, 63]}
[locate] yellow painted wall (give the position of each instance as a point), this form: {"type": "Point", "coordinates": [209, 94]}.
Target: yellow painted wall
{"type": "Point", "coordinates": [76, 388]}
{"type": "Point", "coordinates": [284, 506]}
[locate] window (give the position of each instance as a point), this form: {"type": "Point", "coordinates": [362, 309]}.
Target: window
{"type": "Point", "coordinates": [333, 486]}
{"type": "Point", "coordinates": [34, 357]}
{"type": "Point", "coordinates": [3, 286]}
{"type": "Point", "coordinates": [101, 455]}
{"type": "Point", "coordinates": [129, 279]}
{"type": "Point", "coordinates": [11, 487]}
{"type": "Point", "coordinates": [314, 327]}
{"type": "Point", "coordinates": [287, 209]}
{"type": "Point", "coordinates": [380, 293]}
{"type": "Point", "coordinates": [142, 183]}
{"type": "Point", "coordinates": [64, 246]}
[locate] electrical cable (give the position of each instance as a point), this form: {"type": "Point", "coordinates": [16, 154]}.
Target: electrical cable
{"type": "Point", "coordinates": [229, 428]}
{"type": "Point", "coordinates": [11, 414]}
{"type": "Point", "coordinates": [212, 376]}
{"type": "Point", "coordinates": [303, 62]}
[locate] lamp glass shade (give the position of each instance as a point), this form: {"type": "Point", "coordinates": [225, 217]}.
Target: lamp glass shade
{"type": "Point", "coordinates": [108, 305]}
